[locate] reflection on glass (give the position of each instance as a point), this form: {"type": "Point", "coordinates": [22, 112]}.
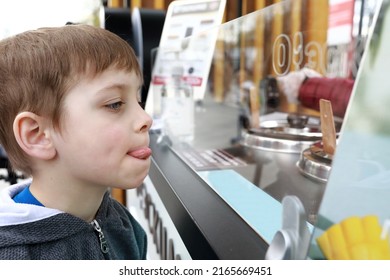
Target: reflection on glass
{"type": "Point", "coordinates": [259, 117]}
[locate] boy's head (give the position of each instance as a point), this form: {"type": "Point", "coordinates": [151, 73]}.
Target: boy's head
{"type": "Point", "coordinates": [38, 68]}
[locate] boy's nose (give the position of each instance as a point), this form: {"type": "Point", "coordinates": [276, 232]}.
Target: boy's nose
{"type": "Point", "coordinates": [146, 122]}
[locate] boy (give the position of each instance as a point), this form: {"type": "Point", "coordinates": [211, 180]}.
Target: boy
{"type": "Point", "coordinates": [70, 120]}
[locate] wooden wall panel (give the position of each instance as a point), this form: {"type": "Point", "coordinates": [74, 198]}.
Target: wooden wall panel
{"type": "Point", "coordinates": [296, 27]}
{"type": "Point", "coordinates": [115, 3]}
{"type": "Point", "coordinates": [276, 30]}
{"type": "Point", "coordinates": [232, 10]}
{"type": "Point", "coordinates": [258, 67]}
{"type": "Point", "coordinates": [316, 15]}
{"type": "Point", "coordinates": [136, 4]}
{"type": "Point", "coordinates": [218, 71]}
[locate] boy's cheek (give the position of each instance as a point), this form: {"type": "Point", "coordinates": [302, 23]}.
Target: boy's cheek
{"type": "Point", "coordinates": [114, 134]}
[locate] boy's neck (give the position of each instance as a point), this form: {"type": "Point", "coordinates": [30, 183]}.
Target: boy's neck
{"type": "Point", "coordinates": [69, 196]}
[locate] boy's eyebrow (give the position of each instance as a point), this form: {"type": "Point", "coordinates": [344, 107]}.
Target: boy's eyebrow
{"type": "Point", "coordinates": [120, 86]}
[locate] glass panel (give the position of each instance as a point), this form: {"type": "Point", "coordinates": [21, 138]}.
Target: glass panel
{"type": "Point", "coordinates": [255, 134]}
{"type": "Point", "coordinates": [358, 192]}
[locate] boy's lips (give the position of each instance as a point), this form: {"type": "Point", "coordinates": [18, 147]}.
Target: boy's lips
{"type": "Point", "coordinates": [141, 153]}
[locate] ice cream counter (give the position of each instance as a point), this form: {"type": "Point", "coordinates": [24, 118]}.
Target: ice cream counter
{"type": "Point", "coordinates": [223, 193]}
{"type": "Point", "coordinates": [223, 166]}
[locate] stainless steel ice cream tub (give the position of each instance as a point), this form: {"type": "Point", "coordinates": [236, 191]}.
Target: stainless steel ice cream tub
{"type": "Point", "coordinates": [315, 164]}
{"type": "Point", "coordinates": [282, 132]}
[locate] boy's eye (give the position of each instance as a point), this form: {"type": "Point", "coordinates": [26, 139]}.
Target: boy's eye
{"type": "Point", "coordinates": [115, 106]}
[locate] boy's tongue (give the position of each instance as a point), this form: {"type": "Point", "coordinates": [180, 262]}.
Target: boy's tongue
{"type": "Point", "coordinates": [142, 153]}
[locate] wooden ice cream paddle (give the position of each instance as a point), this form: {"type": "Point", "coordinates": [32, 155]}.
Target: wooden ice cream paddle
{"type": "Point", "coordinates": [327, 127]}
{"type": "Point", "coordinates": [254, 107]}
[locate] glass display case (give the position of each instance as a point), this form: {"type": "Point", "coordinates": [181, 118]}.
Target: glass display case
{"type": "Point", "coordinates": [227, 152]}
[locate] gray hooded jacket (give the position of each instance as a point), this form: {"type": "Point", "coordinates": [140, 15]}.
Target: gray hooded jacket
{"type": "Point", "coordinates": [35, 232]}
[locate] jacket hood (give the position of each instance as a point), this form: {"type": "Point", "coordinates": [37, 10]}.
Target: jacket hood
{"type": "Point", "coordinates": [22, 224]}
{"type": "Point", "coordinates": [12, 213]}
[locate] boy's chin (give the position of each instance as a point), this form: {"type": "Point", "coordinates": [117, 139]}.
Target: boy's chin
{"type": "Point", "coordinates": [130, 185]}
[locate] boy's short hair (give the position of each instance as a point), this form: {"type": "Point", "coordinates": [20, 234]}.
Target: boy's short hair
{"type": "Point", "coordinates": [38, 68]}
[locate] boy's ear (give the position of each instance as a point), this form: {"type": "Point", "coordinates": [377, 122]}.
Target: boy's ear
{"type": "Point", "coordinates": [33, 135]}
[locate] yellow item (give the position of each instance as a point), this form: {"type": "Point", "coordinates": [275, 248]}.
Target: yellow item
{"type": "Point", "coordinates": [355, 239]}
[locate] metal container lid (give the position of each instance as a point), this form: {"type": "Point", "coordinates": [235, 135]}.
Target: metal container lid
{"type": "Point", "coordinates": [284, 132]}
{"type": "Point", "coordinates": [314, 163]}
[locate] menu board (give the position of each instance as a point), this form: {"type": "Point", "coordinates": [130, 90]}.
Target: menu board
{"type": "Point", "coordinates": [178, 49]}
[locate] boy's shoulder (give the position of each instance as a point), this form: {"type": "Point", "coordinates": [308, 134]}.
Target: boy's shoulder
{"type": "Point", "coordinates": [120, 215]}
{"type": "Point", "coordinates": [124, 233]}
